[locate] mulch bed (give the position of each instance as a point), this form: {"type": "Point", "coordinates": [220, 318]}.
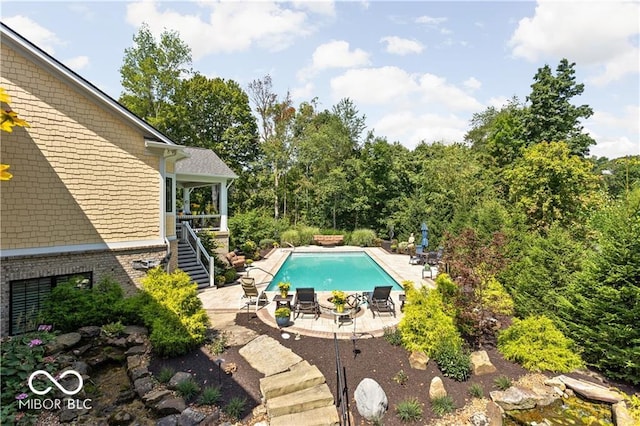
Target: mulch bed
{"type": "Point", "coordinates": [362, 357]}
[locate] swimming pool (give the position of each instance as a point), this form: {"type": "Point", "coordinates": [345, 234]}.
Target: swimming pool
{"type": "Point", "coordinates": [349, 271]}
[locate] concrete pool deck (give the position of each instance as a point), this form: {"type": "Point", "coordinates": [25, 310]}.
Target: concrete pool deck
{"type": "Point", "coordinates": [229, 298]}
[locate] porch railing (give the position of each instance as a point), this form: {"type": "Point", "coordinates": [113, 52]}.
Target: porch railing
{"type": "Point", "coordinates": [199, 221]}
{"type": "Point", "coordinates": [202, 256]}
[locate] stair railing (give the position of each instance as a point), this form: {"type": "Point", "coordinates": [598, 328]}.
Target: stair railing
{"type": "Point", "coordinates": [342, 391]}
{"type": "Point", "coordinates": [202, 256]}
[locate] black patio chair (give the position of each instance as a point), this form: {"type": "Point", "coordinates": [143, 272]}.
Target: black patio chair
{"type": "Point", "coordinates": [380, 300]}
{"type": "Point", "coordinates": [306, 302]}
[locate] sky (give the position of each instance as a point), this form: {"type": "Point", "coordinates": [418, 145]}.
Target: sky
{"type": "Point", "coordinates": [416, 70]}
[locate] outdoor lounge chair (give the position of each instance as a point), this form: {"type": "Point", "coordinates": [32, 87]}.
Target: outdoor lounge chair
{"type": "Point", "coordinates": [251, 292]}
{"type": "Point", "coordinates": [380, 300]}
{"type": "Point", "coordinates": [306, 302]}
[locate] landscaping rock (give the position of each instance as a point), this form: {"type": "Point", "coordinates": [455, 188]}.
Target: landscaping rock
{"type": "Point", "coordinates": [143, 386]}
{"type": "Point", "coordinates": [481, 364]}
{"type": "Point", "coordinates": [180, 376]}
{"type": "Point", "coordinates": [81, 367]}
{"type": "Point", "coordinates": [591, 391]}
{"type": "Point", "coordinates": [418, 360]}
{"type": "Point", "coordinates": [135, 339]}
{"type": "Point", "coordinates": [494, 413]}
{"type": "Point", "coordinates": [125, 396]}
{"type": "Point", "coordinates": [90, 331]}
{"type": "Point", "coordinates": [154, 396]}
{"type": "Point", "coordinates": [134, 361]}
{"type": "Point", "coordinates": [370, 399]}
{"type": "Point", "coordinates": [190, 417]}
{"type": "Point", "coordinates": [63, 342]}
{"type": "Point", "coordinates": [436, 389]}
{"type": "Point", "coordinates": [135, 329]}
{"type": "Point", "coordinates": [136, 350]}
{"type": "Point", "coordinates": [515, 398]}
{"type": "Point", "coordinates": [138, 373]}
{"type": "Point", "coordinates": [555, 382]}
{"type": "Point", "coordinates": [170, 405]}
{"type": "Point", "coordinates": [171, 420]}
{"type": "Point", "coordinates": [120, 418]}
{"type": "Point", "coordinates": [621, 415]}
{"type": "Point", "coordinates": [479, 419]}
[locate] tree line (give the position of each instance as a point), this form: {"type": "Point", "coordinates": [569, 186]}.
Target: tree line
{"type": "Point", "coordinates": [568, 224]}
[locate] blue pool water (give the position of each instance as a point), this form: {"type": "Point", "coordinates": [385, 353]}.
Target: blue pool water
{"type": "Point", "coordinates": [348, 271]}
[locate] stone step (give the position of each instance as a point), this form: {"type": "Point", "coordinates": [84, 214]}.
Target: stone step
{"type": "Point", "coordinates": [323, 416]}
{"type": "Point", "coordinates": [300, 377]}
{"type": "Point", "coordinates": [299, 401]}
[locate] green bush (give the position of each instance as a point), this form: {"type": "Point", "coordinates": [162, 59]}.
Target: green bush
{"type": "Point", "coordinates": [502, 382]}
{"type": "Point", "coordinates": [230, 275]}
{"type": "Point", "coordinates": [175, 315]}
{"type": "Point", "coordinates": [249, 248]}
{"type": "Point", "coordinates": [453, 361]}
{"type": "Point", "coordinates": [442, 405]}
{"type": "Point", "coordinates": [266, 243]}
{"type": "Point", "coordinates": [70, 306]}
{"type": "Point", "coordinates": [363, 238]}
{"type": "Point", "coordinates": [210, 395]}
{"type": "Point", "coordinates": [208, 240]}
{"type": "Point", "coordinates": [392, 335]}
{"type": "Point", "coordinates": [113, 329]}
{"type": "Point", "coordinates": [475, 390]}
{"type": "Point", "coordinates": [235, 407]}
{"type": "Point", "coordinates": [187, 389]}
{"type": "Point", "coordinates": [449, 291]}
{"type": "Point", "coordinates": [538, 345]}
{"type": "Point", "coordinates": [495, 298]}
{"type": "Point", "coordinates": [307, 233]}
{"type": "Point", "coordinates": [425, 326]}
{"type": "Point", "coordinates": [165, 374]}
{"type": "Point", "coordinates": [290, 236]}
{"type": "Point", "coordinates": [255, 225]}
{"type": "Point", "coordinates": [409, 410]}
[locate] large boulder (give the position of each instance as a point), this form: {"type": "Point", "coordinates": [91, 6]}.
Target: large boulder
{"type": "Point", "coordinates": [591, 391]}
{"type": "Point", "coordinates": [436, 389]}
{"type": "Point", "coordinates": [179, 377]}
{"type": "Point", "coordinates": [371, 400]}
{"type": "Point", "coordinates": [481, 363]}
{"type": "Point", "coordinates": [494, 413]}
{"type": "Point", "coordinates": [418, 360]}
{"type": "Point", "coordinates": [515, 398]}
{"type": "Point", "coordinates": [621, 415]}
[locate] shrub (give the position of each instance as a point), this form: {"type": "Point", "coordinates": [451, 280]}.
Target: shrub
{"type": "Point", "coordinates": [306, 234]}
{"type": "Point", "coordinates": [363, 238]}
{"type": "Point", "coordinates": [393, 336]}
{"type": "Point", "coordinates": [442, 405]}
{"type": "Point", "coordinates": [449, 291]}
{"type": "Point", "coordinates": [249, 248]}
{"type": "Point", "coordinates": [475, 390]}
{"type": "Point", "coordinates": [425, 326]}
{"type": "Point", "coordinates": [165, 374]}
{"type": "Point", "coordinates": [266, 243]}
{"type": "Point", "coordinates": [502, 382]}
{"type": "Point", "coordinates": [255, 225]}
{"type": "Point", "coordinates": [495, 298]}
{"type": "Point", "coordinates": [70, 305]}
{"type": "Point", "coordinates": [290, 236]}
{"type": "Point", "coordinates": [218, 344]}
{"type": "Point", "coordinates": [282, 312]}
{"type": "Point", "coordinates": [538, 345]}
{"type": "Point", "coordinates": [402, 246]}
{"type": "Point", "coordinates": [175, 315]}
{"type": "Point", "coordinates": [113, 329]}
{"type": "Point", "coordinates": [401, 378]}
{"type": "Point", "coordinates": [187, 389]}
{"type": "Point", "coordinates": [409, 410]}
{"type": "Point", "coordinates": [230, 275]}
{"type": "Point", "coordinates": [235, 407]}
{"type": "Point", "coordinates": [208, 240]}
{"type": "Point", "coordinates": [453, 361]}
{"type": "Point", "coordinates": [210, 395]}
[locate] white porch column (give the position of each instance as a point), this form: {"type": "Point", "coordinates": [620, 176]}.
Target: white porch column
{"type": "Point", "coordinates": [186, 200]}
{"type": "Point", "coordinates": [222, 208]}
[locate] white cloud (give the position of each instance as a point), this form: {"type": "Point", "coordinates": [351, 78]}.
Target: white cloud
{"type": "Point", "coordinates": [393, 85]}
{"type": "Point", "coordinates": [594, 33]}
{"type": "Point", "coordinates": [78, 63]}
{"type": "Point", "coordinates": [374, 85]}
{"type": "Point", "coordinates": [34, 32]}
{"type": "Point", "coordinates": [334, 54]}
{"type": "Point", "coordinates": [402, 46]}
{"type": "Point", "coordinates": [616, 135]}
{"type": "Point", "coordinates": [428, 20]}
{"type": "Point", "coordinates": [226, 26]}
{"type": "Point", "coordinates": [613, 147]}
{"type": "Point", "coordinates": [436, 90]}
{"type": "Point", "coordinates": [498, 102]}
{"type": "Point", "coordinates": [411, 129]}
{"type": "Point", "coordinates": [322, 7]}
{"type": "Point", "coordinates": [627, 122]}
{"type": "Point", "coordinates": [472, 83]}
{"type": "Point", "coordinates": [303, 93]}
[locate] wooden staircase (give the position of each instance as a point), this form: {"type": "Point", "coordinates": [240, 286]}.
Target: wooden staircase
{"type": "Point", "coordinates": [299, 396]}
{"type": "Point", "coordinates": [188, 262]}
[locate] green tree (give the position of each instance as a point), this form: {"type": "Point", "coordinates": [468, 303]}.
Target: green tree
{"type": "Point", "coordinates": [551, 185]}
{"type": "Point", "coordinates": [607, 293]}
{"type": "Point", "coordinates": [151, 72]}
{"type": "Point", "coordinates": [551, 115]}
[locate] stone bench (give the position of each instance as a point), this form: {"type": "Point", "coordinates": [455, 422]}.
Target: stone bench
{"type": "Point", "coordinates": [328, 240]}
